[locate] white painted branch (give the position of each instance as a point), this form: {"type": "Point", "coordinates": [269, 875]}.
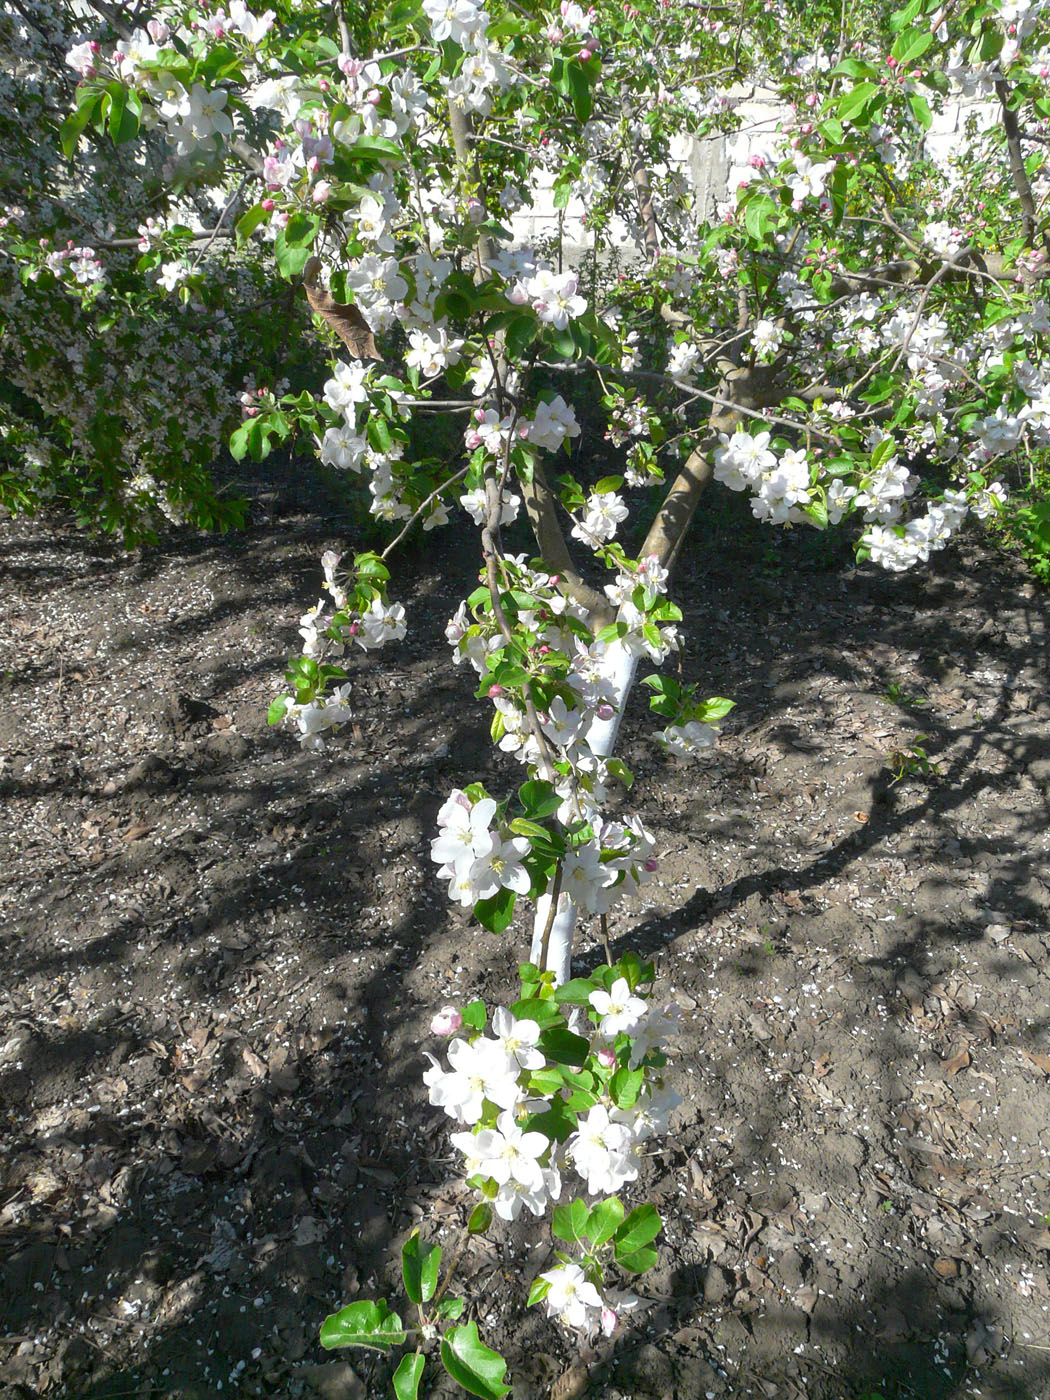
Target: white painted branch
{"type": "Point", "coordinates": [619, 667]}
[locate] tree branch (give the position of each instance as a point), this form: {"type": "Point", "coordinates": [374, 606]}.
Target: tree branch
{"type": "Point", "coordinates": [1018, 172]}
{"type": "Point", "coordinates": [554, 549]}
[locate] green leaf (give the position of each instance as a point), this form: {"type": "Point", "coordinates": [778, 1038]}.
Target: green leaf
{"type": "Point", "coordinates": [609, 483]}
{"type": "Point", "coordinates": [900, 19]}
{"type": "Point", "coordinates": [539, 799]}
{"type": "Point", "coordinates": [538, 1009]}
{"type": "Point", "coordinates": [539, 1290]}
{"type": "Point", "coordinates": [920, 110]}
{"type": "Point", "coordinates": [290, 261]}
{"type": "Point", "coordinates": [563, 1047]}
{"type": "Point", "coordinates": [278, 709]}
{"type": "Point", "coordinates": [556, 1123]}
{"type": "Point", "coordinates": [249, 222]}
{"type": "Point", "coordinates": [365, 1324]}
{"type": "Point", "coordinates": [604, 1220]}
{"type": "Point", "coordinates": [574, 993]}
{"type": "Point", "coordinates": [408, 1375]}
{"type": "Point", "coordinates": [419, 1268]}
{"type": "Point", "coordinates": [569, 1221]}
{"type": "Point", "coordinates": [642, 1225]}
{"type": "Point", "coordinates": [853, 68]}
{"type": "Point", "coordinates": [852, 104]}
{"type": "Point", "coordinates": [519, 334]}
{"type": "Point", "coordinates": [716, 708]}
{"type": "Point", "coordinates": [451, 1308]}
{"type": "Point", "coordinates": [580, 87]}
{"type": "Point", "coordinates": [638, 1261]}
{"type": "Point", "coordinates": [480, 1219]}
{"type": "Point", "coordinates": [301, 230]}
{"type": "Point", "coordinates": [72, 128]}
{"type": "Point", "coordinates": [882, 451]}
{"type": "Point", "coordinates": [625, 1086]}
{"type": "Point", "coordinates": [616, 768]}
{"type": "Point", "coordinates": [910, 45]}
{"type": "Point", "coordinates": [759, 214]}
{"type": "Point", "coordinates": [473, 1365]}
{"type": "Point", "coordinates": [496, 913]}
{"type": "Point", "coordinates": [239, 442]}
{"type": "Point", "coordinates": [474, 1015]}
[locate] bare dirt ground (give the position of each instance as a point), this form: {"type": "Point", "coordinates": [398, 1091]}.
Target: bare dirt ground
{"type": "Point", "coordinates": [220, 956]}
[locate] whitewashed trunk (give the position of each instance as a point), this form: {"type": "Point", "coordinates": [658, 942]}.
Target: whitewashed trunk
{"type": "Point", "coordinates": [619, 667]}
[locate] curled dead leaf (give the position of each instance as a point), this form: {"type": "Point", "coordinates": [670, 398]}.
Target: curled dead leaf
{"type": "Point", "coordinates": [955, 1064]}
{"type": "Point", "coordinates": [347, 322]}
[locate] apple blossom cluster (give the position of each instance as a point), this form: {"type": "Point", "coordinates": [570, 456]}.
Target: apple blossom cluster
{"type": "Point", "coordinates": [510, 1093]}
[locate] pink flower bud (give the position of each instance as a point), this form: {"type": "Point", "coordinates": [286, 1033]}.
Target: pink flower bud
{"type": "Point", "coordinates": [605, 712]}
{"type": "Point", "coordinates": [812, 98]}
{"type": "Point", "coordinates": [447, 1021]}
{"type": "Point", "coordinates": [609, 1321]}
{"type": "Point", "coordinates": [891, 62]}
{"type": "Point", "coordinates": [496, 690]}
{"type": "Point", "coordinates": [585, 54]}
{"type": "Point", "coordinates": [652, 865]}
{"type": "Point", "coordinates": [268, 205]}
{"type": "Point", "coordinates": [373, 96]}
{"type": "Point", "coordinates": [95, 46]}
{"type": "Point", "coordinates": [251, 412]}
{"type": "Point", "coordinates": [158, 30]}
{"type": "Point", "coordinates": [606, 1057]}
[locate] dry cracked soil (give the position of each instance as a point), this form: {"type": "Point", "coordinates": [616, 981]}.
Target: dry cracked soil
{"type": "Point", "coordinates": [220, 956]}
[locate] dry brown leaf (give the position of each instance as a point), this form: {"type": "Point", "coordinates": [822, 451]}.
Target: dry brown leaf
{"type": "Point", "coordinates": [822, 1065]}
{"type": "Point", "coordinates": [571, 1384]}
{"type": "Point", "coordinates": [347, 322]}
{"type": "Point", "coordinates": [946, 1268]}
{"type": "Point", "coordinates": [1040, 1061]}
{"type": "Point", "coordinates": [806, 1299]}
{"type": "Point", "coordinates": [252, 1060]}
{"type": "Point", "coordinates": [955, 1064]}
{"type": "Point", "coordinates": [136, 833]}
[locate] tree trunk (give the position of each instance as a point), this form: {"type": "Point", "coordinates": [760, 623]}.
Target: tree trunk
{"type": "Point", "coordinates": [619, 667]}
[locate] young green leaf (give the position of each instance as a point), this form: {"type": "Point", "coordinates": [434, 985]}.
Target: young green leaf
{"type": "Point", "coordinates": [419, 1267]}
{"type": "Point", "coordinates": [473, 1365]}
{"type": "Point", "coordinates": [604, 1220]}
{"type": "Point", "coordinates": [569, 1221]}
{"type": "Point", "coordinates": [642, 1225]}
{"type": "Point", "coordinates": [365, 1324]}
{"type": "Point", "coordinates": [480, 1219]}
{"type": "Point", "coordinates": [408, 1375]}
